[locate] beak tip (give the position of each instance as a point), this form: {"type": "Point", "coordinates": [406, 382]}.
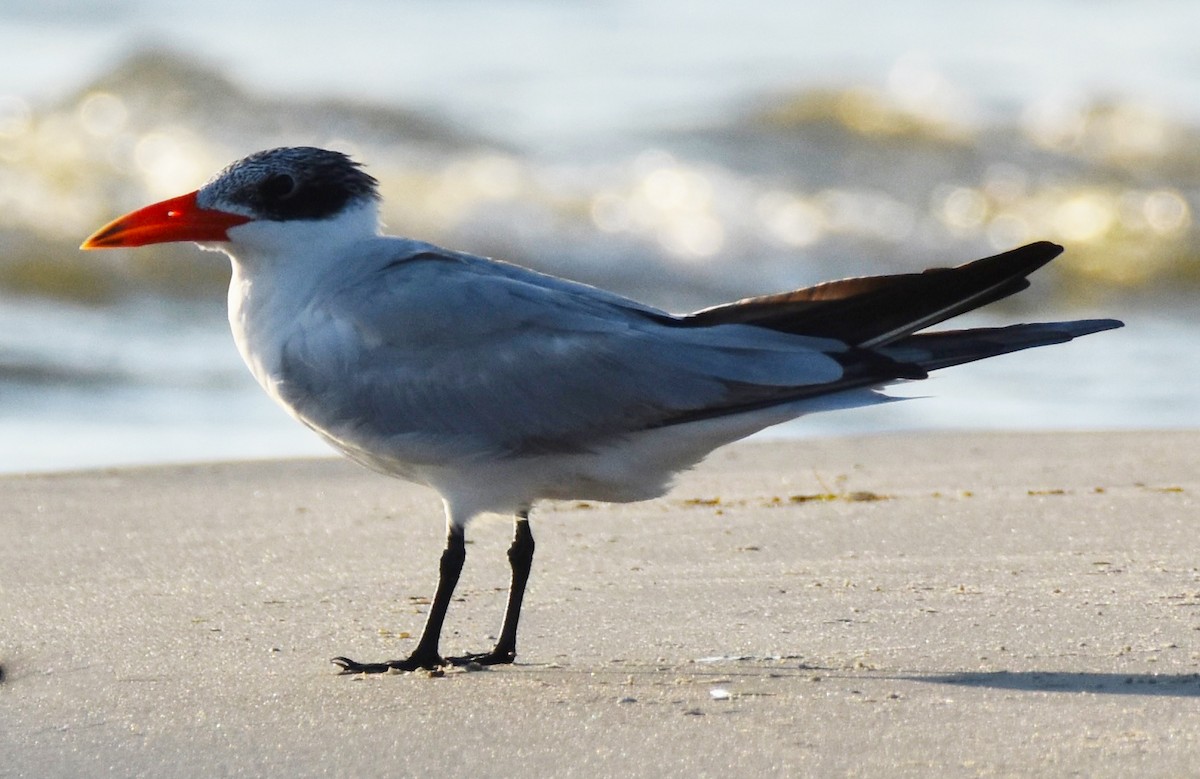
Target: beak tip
{"type": "Point", "coordinates": [94, 241]}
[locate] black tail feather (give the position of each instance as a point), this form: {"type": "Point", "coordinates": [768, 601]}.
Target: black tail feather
{"type": "Point", "coordinates": [932, 351]}
{"type": "Point", "coordinates": [876, 310]}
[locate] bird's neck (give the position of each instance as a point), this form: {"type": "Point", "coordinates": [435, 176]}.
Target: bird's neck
{"type": "Point", "coordinates": [278, 269]}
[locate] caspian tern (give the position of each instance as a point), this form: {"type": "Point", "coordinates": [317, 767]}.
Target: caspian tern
{"type": "Point", "coordinates": [499, 386]}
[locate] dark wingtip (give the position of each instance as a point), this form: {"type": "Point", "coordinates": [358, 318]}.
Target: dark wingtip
{"type": "Point", "coordinates": [1033, 255]}
{"type": "Point", "coordinates": [1089, 326]}
{"type": "Point", "coordinates": [1047, 246]}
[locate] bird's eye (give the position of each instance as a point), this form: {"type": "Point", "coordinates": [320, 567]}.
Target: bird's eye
{"type": "Point", "coordinates": [277, 186]}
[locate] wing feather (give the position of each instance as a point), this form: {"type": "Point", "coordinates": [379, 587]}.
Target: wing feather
{"type": "Point", "coordinates": [459, 354]}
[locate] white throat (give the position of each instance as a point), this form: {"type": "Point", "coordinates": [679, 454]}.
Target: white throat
{"type": "Point", "coordinates": [278, 267]}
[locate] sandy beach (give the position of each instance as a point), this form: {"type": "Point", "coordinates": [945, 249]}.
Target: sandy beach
{"type": "Point", "coordinates": [916, 605]}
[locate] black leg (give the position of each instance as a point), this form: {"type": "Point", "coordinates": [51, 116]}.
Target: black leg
{"type": "Point", "coordinates": [520, 557]}
{"type": "Point", "coordinates": [426, 654]}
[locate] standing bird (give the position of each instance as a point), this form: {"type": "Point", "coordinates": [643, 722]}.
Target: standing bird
{"type": "Point", "coordinates": [499, 386]}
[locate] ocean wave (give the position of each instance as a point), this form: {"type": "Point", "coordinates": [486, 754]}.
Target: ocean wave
{"type": "Point", "coordinates": [796, 188]}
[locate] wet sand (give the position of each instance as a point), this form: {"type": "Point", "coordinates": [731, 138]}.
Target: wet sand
{"type": "Point", "coordinates": [917, 605]}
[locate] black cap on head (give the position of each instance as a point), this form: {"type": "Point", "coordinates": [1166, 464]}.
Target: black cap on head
{"type": "Point", "coordinates": [299, 182]}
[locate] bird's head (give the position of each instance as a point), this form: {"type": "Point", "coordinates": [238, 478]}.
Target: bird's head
{"type": "Point", "coordinates": [269, 197]}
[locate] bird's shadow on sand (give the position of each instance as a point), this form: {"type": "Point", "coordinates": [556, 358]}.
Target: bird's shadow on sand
{"type": "Point", "coordinates": [1176, 685]}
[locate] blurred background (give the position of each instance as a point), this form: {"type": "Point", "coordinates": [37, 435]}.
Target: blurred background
{"type": "Point", "coordinates": [678, 152]}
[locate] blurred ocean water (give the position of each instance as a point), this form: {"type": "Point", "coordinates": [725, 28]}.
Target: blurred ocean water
{"type": "Point", "coordinates": [679, 153]}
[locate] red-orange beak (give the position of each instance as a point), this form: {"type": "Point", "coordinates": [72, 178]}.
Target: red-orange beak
{"type": "Point", "coordinates": [177, 219]}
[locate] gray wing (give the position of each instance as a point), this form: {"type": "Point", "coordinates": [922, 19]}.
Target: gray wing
{"type": "Point", "coordinates": [453, 352]}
